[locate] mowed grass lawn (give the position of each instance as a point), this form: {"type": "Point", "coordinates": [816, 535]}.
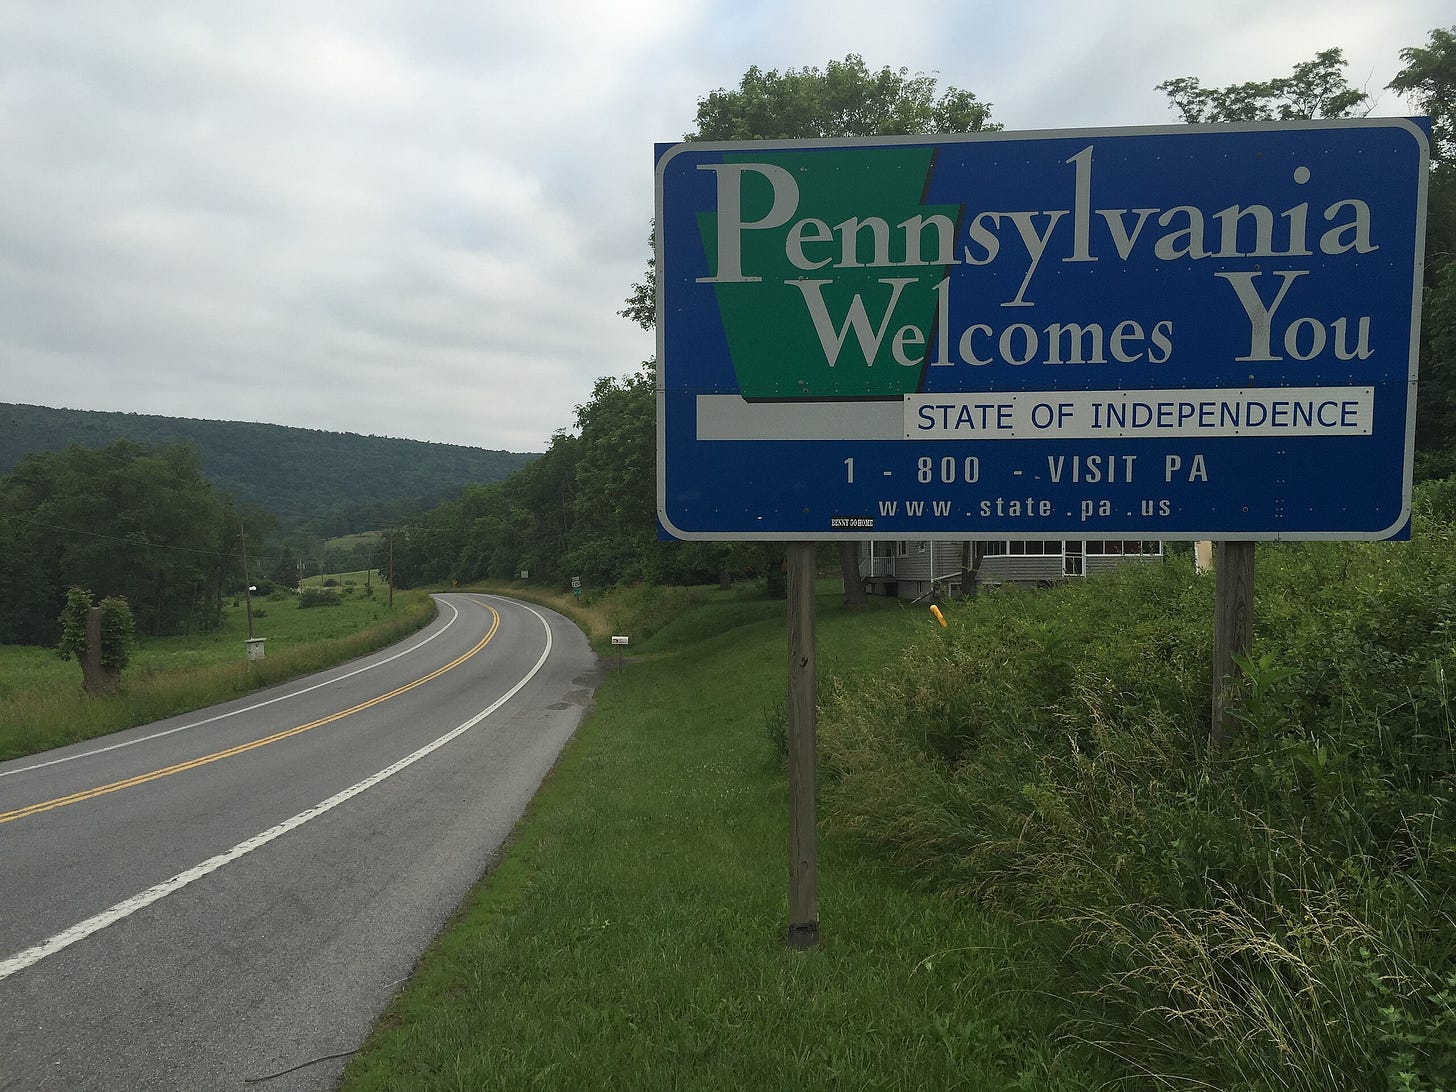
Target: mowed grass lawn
{"type": "Point", "coordinates": [632, 937]}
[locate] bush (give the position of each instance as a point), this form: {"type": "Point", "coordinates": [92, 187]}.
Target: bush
{"type": "Point", "coordinates": [318, 597]}
{"type": "Point", "coordinates": [1274, 917]}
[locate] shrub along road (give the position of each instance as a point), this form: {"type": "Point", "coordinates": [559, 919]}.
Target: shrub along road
{"type": "Point", "coordinates": [234, 892]}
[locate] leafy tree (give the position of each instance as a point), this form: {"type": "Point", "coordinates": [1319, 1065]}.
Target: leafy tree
{"type": "Point", "coordinates": [542, 506]}
{"type": "Point", "coordinates": [73, 623]}
{"type": "Point", "coordinates": [523, 522]}
{"type": "Point", "coordinates": [1316, 88]}
{"type": "Point", "coordinates": [285, 570]}
{"type": "Point", "coordinates": [125, 520]}
{"type": "Point", "coordinates": [615, 517]}
{"type": "Point", "coordinates": [1436, 403]}
{"type": "Point", "coordinates": [1429, 82]}
{"type": "Point", "coordinates": [846, 99]}
{"type": "Point", "coordinates": [1429, 79]}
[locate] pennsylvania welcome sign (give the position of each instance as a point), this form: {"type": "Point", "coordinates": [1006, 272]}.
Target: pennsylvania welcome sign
{"type": "Point", "coordinates": [1200, 331]}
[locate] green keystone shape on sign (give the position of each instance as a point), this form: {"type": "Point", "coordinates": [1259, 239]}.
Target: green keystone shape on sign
{"type": "Point", "coordinates": [781, 334]}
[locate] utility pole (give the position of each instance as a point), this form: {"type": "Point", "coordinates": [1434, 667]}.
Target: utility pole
{"type": "Point", "coordinates": [247, 584]}
{"type": "Point", "coordinates": [391, 568]}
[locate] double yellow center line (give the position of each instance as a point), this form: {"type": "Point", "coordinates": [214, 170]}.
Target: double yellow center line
{"type": "Point", "coordinates": [217, 756]}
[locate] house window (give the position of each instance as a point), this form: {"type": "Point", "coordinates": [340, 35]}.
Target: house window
{"type": "Point", "coordinates": [1126, 548]}
{"type": "Point", "coordinates": [1035, 548]}
{"type": "Point", "coordinates": [1072, 560]}
{"type": "Point", "coordinates": [902, 549]}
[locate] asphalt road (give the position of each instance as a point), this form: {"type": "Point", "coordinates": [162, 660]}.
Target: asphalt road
{"type": "Point", "coordinates": [210, 900]}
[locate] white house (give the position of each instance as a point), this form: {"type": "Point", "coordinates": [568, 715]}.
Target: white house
{"type": "Point", "coordinates": [908, 569]}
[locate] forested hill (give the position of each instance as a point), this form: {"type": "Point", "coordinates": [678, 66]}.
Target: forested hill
{"type": "Point", "coordinates": [327, 483]}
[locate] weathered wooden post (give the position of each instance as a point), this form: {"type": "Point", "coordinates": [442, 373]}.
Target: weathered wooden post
{"type": "Point", "coordinates": [1233, 626]}
{"type": "Point", "coordinates": [95, 678]}
{"type": "Point", "coordinates": [803, 847]}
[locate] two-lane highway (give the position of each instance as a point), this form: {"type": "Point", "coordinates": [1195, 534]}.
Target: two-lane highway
{"type": "Point", "coordinates": [213, 899]}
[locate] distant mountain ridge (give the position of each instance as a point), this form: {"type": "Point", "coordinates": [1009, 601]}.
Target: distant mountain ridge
{"type": "Point", "coordinates": [323, 482]}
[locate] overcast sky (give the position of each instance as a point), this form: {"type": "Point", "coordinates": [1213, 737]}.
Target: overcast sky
{"type": "Point", "coordinates": [420, 219]}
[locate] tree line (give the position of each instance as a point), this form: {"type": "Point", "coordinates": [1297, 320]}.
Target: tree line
{"type": "Point", "coordinates": [586, 508]}
{"type": "Point", "coordinates": [125, 521]}
{"type": "Point", "coordinates": [319, 484]}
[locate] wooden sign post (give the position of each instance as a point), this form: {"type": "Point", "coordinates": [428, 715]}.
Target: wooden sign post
{"type": "Point", "coordinates": [803, 848]}
{"type": "Point", "coordinates": [1233, 626]}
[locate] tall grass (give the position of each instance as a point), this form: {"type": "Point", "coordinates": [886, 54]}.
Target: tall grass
{"type": "Point", "coordinates": [634, 611]}
{"type": "Point", "coordinates": [1276, 917]}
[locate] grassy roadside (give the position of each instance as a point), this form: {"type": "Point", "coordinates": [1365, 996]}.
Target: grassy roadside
{"type": "Point", "coordinates": [637, 611]}
{"type": "Point", "coordinates": [632, 936]}
{"type": "Point", "coordinates": [42, 704]}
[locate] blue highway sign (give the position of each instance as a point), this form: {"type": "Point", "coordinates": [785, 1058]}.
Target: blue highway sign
{"type": "Point", "coordinates": [1180, 332]}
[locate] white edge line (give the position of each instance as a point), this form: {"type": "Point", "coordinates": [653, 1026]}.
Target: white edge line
{"type": "Point", "coordinates": [235, 712]}
{"type": "Point", "coordinates": [81, 930]}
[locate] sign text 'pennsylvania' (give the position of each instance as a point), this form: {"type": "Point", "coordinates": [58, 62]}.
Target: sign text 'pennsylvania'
{"type": "Point", "coordinates": [1154, 333]}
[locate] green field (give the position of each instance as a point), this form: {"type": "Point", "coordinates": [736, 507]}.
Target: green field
{"type": "Point", "coordinates": [354, 541]}
{"type": "Point", "coordinates": [42, 704]}
{"type": "Point", "coordinates": [358, 580]}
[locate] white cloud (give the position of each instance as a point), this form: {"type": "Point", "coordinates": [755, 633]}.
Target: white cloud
{"type": "Point", "coordinates": [420, 218]}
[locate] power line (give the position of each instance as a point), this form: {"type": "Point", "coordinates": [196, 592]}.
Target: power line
{"type": "Point", "coordinates": [133, 542]}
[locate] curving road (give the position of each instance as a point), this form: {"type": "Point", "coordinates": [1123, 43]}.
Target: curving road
{"type": "Point", "coordinates": [208, 901]}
